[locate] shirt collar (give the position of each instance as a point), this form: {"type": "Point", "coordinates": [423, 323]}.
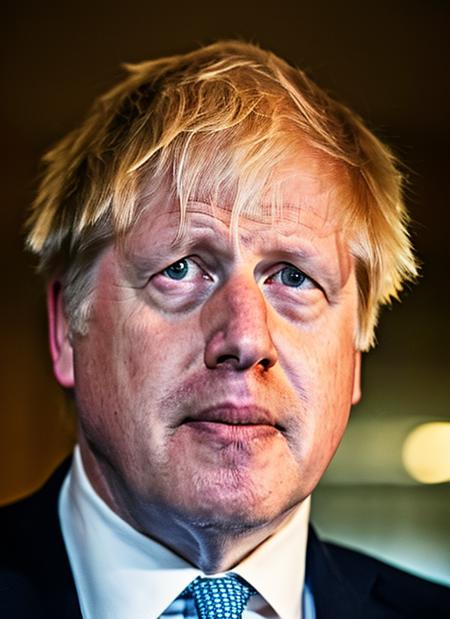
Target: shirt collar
{"type": "Point", "coordinates": [120, 572]}
{"type": "Point", "coordinates": [276, 568]}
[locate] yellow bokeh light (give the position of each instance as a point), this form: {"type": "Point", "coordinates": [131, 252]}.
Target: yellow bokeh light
{"type": "Point", "coordinates": [426, 453]}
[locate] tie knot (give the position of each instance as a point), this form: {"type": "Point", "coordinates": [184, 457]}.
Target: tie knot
{"type": "Point", "coordinates": [220, 598]}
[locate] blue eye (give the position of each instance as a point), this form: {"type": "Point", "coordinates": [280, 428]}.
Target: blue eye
{"type": "Point", "coordinates": [291, 276]}
{"type": "Point", "coordinates": [177, 270]}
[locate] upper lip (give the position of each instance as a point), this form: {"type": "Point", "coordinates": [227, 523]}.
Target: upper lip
{"type": "Point", "coordinates": [235, 415]}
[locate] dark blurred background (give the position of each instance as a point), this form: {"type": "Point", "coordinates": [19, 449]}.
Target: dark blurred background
{"type": "Point", "coordinates": [387, 490]}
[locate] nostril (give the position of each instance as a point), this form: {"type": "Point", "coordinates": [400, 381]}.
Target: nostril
{"type": "Point", "coordinates": [266, 363]}
{"type": "Point", "coordinates": [225, 358]}
{"type": "Point", "coordinates": [243, 362]}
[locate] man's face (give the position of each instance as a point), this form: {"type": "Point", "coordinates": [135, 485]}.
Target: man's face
{"type": "Point", "coordinates": [216, 378]}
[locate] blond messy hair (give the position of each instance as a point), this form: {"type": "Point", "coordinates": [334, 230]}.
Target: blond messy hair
{"type": "Point", "coordinates": [216, 122]}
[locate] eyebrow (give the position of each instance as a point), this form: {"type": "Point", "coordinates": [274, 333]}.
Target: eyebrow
{"type": "Point", "coordinates": [316, 264]}
{"type": "Point", "coordinates": [207, 236]}
{"type": "Point", "coordinates": [161, 252]}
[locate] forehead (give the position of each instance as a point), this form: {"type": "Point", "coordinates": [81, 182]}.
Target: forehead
{"type": "Point", "coordinates": [303, 194]}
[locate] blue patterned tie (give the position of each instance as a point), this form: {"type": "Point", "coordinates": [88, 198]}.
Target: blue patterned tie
{"type": "Point", "coordinates": [220, 598]}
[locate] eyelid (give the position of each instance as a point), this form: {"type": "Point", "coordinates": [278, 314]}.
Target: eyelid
{"type": "Point", "coordinates": [276, 270]}
{"type": "Point", "coordinates": [196, 260]}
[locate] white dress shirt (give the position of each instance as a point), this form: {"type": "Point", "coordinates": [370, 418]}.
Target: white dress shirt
{"type": "Point", "coordinates": [120, 573]}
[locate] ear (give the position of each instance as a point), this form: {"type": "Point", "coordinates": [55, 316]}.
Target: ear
{"type": "Point", "coordinates": [356, 395]}
{"type": "Point", "coordinates": [60, 345]}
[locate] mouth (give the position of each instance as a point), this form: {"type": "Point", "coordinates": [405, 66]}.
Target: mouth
{"type": "Point", "coordinates": [234, 422]}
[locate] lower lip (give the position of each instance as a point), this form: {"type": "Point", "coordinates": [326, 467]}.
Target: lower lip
{"type": "Point", "coordinates": [230, 433]}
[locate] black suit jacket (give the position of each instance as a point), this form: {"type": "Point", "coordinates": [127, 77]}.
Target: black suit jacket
{"type": "Point", "coordinates": [36, 580]}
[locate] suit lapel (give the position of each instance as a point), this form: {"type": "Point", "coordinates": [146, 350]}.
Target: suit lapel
{"type": "Point", "coordinates": [41, 565]}
{"type": "Point", "coordinates": [334, 596]}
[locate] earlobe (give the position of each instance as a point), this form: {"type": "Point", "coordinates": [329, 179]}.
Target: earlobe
{"type": "Point", "coordinates": [356, 395]}
{"type": "Point", "coordinates": [60, 345]}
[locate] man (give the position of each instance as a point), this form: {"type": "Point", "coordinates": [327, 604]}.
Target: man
{"type": "Point", "coordinates": [217, 237]}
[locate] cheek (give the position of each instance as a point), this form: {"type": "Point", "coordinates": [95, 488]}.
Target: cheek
{"type": "Point", "coordinates": [334, 389]}
{"type": "Point", "coordinates": [116, 391]}
{"type": "Point", "coordinates": [131, 359]}
{"type": "Point", "coordinates": [334, 375]}
{"type": "Point", "coordinates": [319, 366]}
{"type": "Point", "coordinates": [156, 351]}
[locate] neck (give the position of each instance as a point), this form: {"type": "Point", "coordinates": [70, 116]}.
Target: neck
{"type": "Point", "coordinates": [212, 546]}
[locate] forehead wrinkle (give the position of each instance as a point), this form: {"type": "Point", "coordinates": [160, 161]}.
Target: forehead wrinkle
{"type": "Point", "coordinates": [254, 238]}
{"type": "Point", "coordinates": [275, 241]}
{"type": "Point", "coordinates": [294, 202]}
{"type": "Point", "coordinates": [266, 212]}
{"type": "Point", "coordinates": [204, 219]}
{"type": "Point", "coordinates": [304, 231]}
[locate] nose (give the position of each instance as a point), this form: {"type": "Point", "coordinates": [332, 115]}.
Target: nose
{"type": "Point", "coordinates": [236, 327]}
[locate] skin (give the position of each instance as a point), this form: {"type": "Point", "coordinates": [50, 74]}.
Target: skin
{"type": "Point", "coordinates": [212, 394]}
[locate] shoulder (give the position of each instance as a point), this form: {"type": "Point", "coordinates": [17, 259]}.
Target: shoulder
{"type": "Point", "coordinates": [35, 574]}
{"type": "Point", "coordinates": [403, 593]}
{"type": "Point", "coordinates": [27, 523]}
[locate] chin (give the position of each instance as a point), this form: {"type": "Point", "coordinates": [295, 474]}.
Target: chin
{"type": "Point", "coordinates": [238, 504]}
